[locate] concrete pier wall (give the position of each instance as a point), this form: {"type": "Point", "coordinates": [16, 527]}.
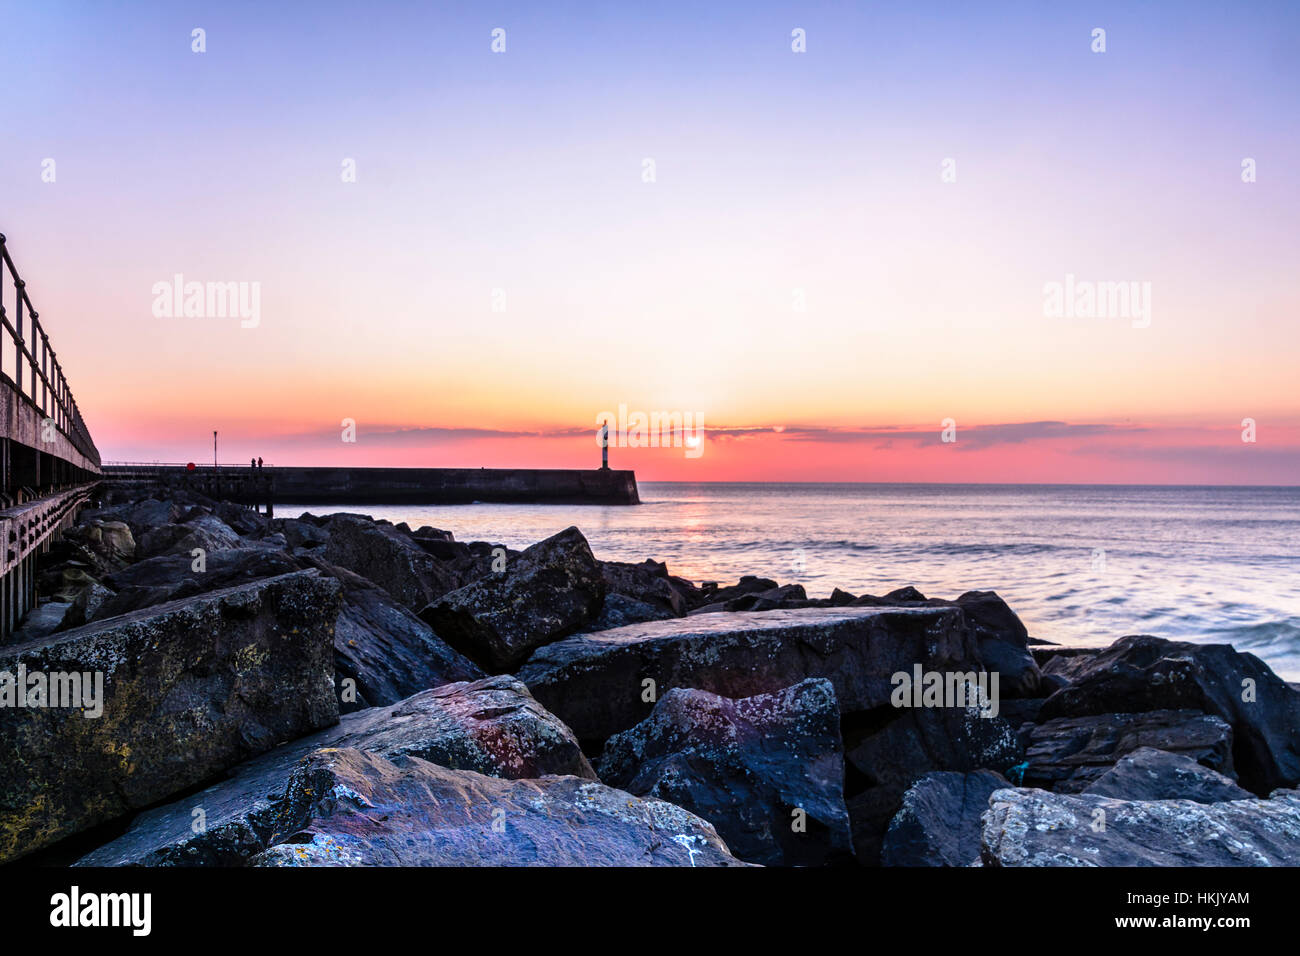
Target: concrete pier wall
{"type": "Point", "coordinates": [452, 486]}
{"type": "Point", "coordinates": [377, 486]}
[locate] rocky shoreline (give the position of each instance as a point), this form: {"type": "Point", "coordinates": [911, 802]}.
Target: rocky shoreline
{"type": "Point", "coordinates": [342, 691]}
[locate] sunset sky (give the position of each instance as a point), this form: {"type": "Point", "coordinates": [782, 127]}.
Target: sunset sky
{"type": "Point", "coordinates": [781, 179]}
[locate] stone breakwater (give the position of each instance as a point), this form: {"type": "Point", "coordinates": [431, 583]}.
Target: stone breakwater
{"type": "Point", "coordinates": [334, 690]}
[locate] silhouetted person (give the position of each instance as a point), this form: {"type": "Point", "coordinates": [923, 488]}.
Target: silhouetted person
{"type": "Point", "coordinates": [252, 463]}
{"type": "Point", "coordinates": [259, 462]}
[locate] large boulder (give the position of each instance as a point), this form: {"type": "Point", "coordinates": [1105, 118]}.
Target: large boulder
{"type": "Point", "coordinates": [350, 808]}
{"type": "Point", "coordinates": [888, 750]}
{"type": "Point", "coordinates": [1003, 642]}
{"type": "Point", "coordinates": [549, 591]}
{"type": "Point", "coordinates": [648, 583]}
{"type": "Point", "coordinates": [597, 683]}
{"type": "Point", "coordinates": [204, 532]}
{"type": "Point", "coordinates": [491, 726]}
{"type": "Point", "coordinates": [389, 558]}
{"type": "Point", "coordinates": [1067, 754]}
{"type": "Point", "coordinates": [110, 541]}
{"type": "Point", "coordinates": [939, 823]}
{"type": "Point", "coordinates": [767, 771]}
{"type": "Point", "coordinates": [1147, 673]}
{"type": "Point", "coordinates": [1150, 774]}
{"type": "Point", "coordinates": [299, 533]}
{"type": "Point", "coordinates": [1038, 828]}
{"type": "Point", "coordinates": [383, 650]}
{"type": "Point", "coordinates": [176, 694]}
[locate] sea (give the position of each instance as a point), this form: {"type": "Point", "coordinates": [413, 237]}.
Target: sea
{"type": "Point", "coordinates": [1080, 564]}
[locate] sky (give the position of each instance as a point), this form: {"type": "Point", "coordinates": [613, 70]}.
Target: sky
{"type": "Point", "coordinates": [834, 259]}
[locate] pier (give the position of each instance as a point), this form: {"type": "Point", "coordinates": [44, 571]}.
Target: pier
{"type": "Point", "coordinates": [48, 463]}
{"type": "Point", "coordinates": [271, 486]}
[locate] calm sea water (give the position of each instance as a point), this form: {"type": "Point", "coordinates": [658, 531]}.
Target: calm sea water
{"type": "Point", "coordinates": [1079, 564]}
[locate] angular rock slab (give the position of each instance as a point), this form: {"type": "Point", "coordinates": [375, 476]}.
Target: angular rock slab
{"type": "Point", "coordinates": [1068, 754]}
{"type": "Point", "coordinates": [747, 766]}
{"type": "Point", "coordinates": [349, 808]}
{"type": "Point", "coordinates": [1150, 774]}
{"type": "Point", "coordinates": [1038, 828]}
{"type": "Point", "coordinates": [1148, 673]}
{"type": "Point", "coordinates": [595, 682]}
{"type": "Point", "coordinates": [940, 822]}
{"type": "Point", "coordinates": [549, 591]}
{"type": "Point", "coordinates": [385, 650]}
{"type": "Point", "coordinates": [190, 688]}
{"type": "Point", "coordinates": [492, 726]}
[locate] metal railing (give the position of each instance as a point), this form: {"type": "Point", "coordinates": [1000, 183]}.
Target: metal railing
{"type": "Point", "coordinates": [37, 374]}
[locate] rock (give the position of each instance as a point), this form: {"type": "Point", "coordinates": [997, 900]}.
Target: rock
{"type": "Point", "coordinates": [85, 606]}
{"type": "Point", "coordinates": [1063, 666]}
{"type": "Point", "coordinates": [1150, 774]}
{"type": "Point", "coordinates": [788, 596]}
{"type": "Point", "coordinates": [840, 598]}
{"type": "Point", "coordinates": [299, 533]}
{"type": "Point", "coordinates": [385, 650]}
{"type": "Point", "coordinates": [1067, 754]}
{"type": "Point", "coordinates": [349, 808]}
{"type": "Point", "coordinates": [491, 726]}
{"type": "Point", "coordinates": [244, 521]}
{"type": "Point", "coordinates": [939, 823]}
{"type": "Point", "coordinates": [551, 590]}
{"type": "Point", "coordinates": [1148, 673]}
{"type": "Point", "coordinates": [747, 766]}
{"type": "Point", "coordinates": [1037, 828]}
{"type": "Point", "coordinates": [710, 593]}
{"type": "Point", "coordinates": [889, 749]}
{"type": "Point", "coordinates": [594, 682]}
{"type": "Point", "coordinates": [139, 516]}
{"type": "Point", "coordinates": [1003, 642]}
{"type": "Point", "coordinates": [620, 610]}
{"type": "Point", "coordinates": [64, 583]}
{"type": "Point", "coordinates": [188, 689]}
{"type": "Point", "coordinates": [41, 621]}
{"type": "Point", "coordinates": [206, 532]}
{"type": "Point", "coordinates": [647, 583]}
{"type": "Point", "coordinates": [389, 558]}
{"type": "Point", "coordinates": [172, 577]}
{"type": "Point", "coordinates": [110, 540]}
